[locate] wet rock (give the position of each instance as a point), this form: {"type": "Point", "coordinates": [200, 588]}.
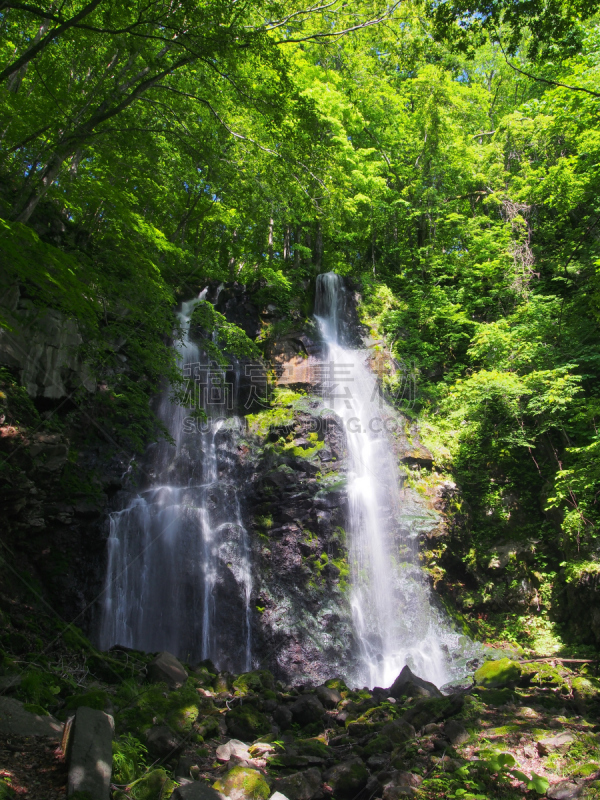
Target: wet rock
{"type": "Point", "coordinates": [565, 790]}
{"type": "Point", "coordinates": [16, 720]}
{"type": "Point", "coordinates": [198, 790]}
{"type": "Point", "coordinates": [243, 783]}
{"type": "Point", "coordinates": [329, 697]}
{"type": "Point", "coordinates": [90, 754]}
{"type": "Point", "coordinates": [299, 785]}
{"type": "Point", "coordinates": [496, 674]}
{"type": "Point", "coordinates": [167, 669]}
{"type": "Point", "coordinates": [163, 742]}
{"type": "Point", "coordinates": [555, 743]}
{"type": "Point", "coordinates": [348, 778]}
{"type": "Point", "coordinates": [456, 733]}
{"type": "Point", "coordinates": [308, 708]}
{"type": "Point", "coordinates": [232, 748]}
{"type": "Point", "coordinates": [409, 684]}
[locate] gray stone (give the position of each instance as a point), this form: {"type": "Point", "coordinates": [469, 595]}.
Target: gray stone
{"type": "Point", "coordinates": [565, 790]}
{"type": "Point", "coordinates": [16, 720]}
{"type": "Point", "coordinates": [167, 669]}
{"type": "Point", "coordinates": [232, 748]}
{"type": "Point", "coordinates": [162, 742]}
{"type": "Point", "coordinates": [554, 744]}
{"type": "Point", "coordinates": [456, 733]}
{"type": "Point", "coordinates": [197, 790]}
{"type": "Point", "coordinates": [407, 683]}
{"type": "Point", "coordinates": [307, 708]}
{"type": "Point", "coordinates": [90, 753]}
{"type": "Point", "coordinates": [329, 697]}
{"type": "Point", "coordinates": [278, 796]}
{"type": "Point", "coordinates": [283, 717]}
{"type": "Point", "coordinates": [299, 785]}
{"type": "Point", "coordinates": [402, 784]}
{"type": "Point", "coordinates": [348, 778]}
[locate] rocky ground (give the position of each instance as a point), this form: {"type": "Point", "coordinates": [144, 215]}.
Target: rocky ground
{"type": "Point", "coordinates": [521, 729]}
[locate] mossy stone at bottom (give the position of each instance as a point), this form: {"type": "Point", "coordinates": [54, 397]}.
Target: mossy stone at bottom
{"type": "Point", "coordinates": [243, 783]}
{"type": "Point", "coordinates": [348, 778]}
{"type": "Point", "coordinates": [247, 723]}
{"type": "Point", "coordinates": [155, 785]}
{"type": "Point", "coordinates": [6, 793]}
{"type": "Point", "coordinates": [255, 681]}
{"type": "Point", "coordinates": [380, 744]}
{"type": "Point", "coordinates": [587, 688]}
{"type": "Point", "coordinates": [496, 674]}
{"type": "Point", "coordinates": [496, 697]}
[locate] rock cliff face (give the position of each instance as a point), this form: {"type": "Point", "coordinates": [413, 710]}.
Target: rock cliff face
{"type": "Point", "coordinates": [288, 462]}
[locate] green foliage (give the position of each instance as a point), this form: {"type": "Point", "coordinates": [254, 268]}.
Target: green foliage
{"type": "Point", "coordinates": [218, 337]}
{"type": "Point", "coordinates": [129, 759]}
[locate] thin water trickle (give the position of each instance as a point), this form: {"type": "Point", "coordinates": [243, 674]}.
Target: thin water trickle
{"type": "Point", "coordinates": [394, 620]}
{"type": "Point", "coordinates": [180, 546]}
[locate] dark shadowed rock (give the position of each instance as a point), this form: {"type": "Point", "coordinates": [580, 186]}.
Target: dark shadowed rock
{"type": "Point", "coordinates": [167, 669]}
{"type": "Point", "coordinates": [90, 754]}
{"type": "Point", "coordinates": [283, 717]}
{"type": "Point", "coordinates": [407, 683]}
{"type": "Point", "coordinates": [162, 742]}
{"type": "Point", "coordinates": [565, 790]}
{"type": "Point", "coordinates": [348, 778]}
{"type": "Point", "coordinates": [399, 731]}
{"type": "Point", "coordinates": [456, 733]}
{"type": "Point", "coordinates": [198, 790]}
{"type": "Point", "coordinates": [299, 785]}
{"type": "Point", "coordinates": [329, 697]}
{"type": "Point", "coordinates": [307, 709]}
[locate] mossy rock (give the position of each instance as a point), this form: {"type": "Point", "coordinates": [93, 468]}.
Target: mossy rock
{"type": "Point", "coordinates": [248, 783]}
{"type": "Point", "coordinates": [95, 698]}
{"type": "Point", "coordinates": [182, 719]}
{"type": "Point", "coordinates": [496, 697]}
{"type": "Point", "coordinates": [348, 778]}
{"type": "Point", "coordinates": [380, 744]}
{"type": "Point", "coordinates": [312, 747]}
{"type": "Point", "coordinates": [433, 710]}
{"type": "Point", "coordinates": [154, 785]}
{"type": "Point", "coordinates": [548, 676]}
{"type": "Point", "coordinates": [585, 770]}
{"type": "Point", "coordinates": [336, 683]}
{"type": "Point", "coordinates": [254, 682]}
{"type": "Point", "coordinates": [587, 688]}
{"type": "Point", "coordinates": [496, 674]}
{"type": "Point", "coordinates": [35, 709]}
{"type": "Point", "coordinates": [247, 723]}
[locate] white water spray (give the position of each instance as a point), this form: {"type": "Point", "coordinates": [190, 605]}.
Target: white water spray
{"type": "Point", "coordinates": [394, 620]}
{"type": "Point", "coordinates": [180, 544]}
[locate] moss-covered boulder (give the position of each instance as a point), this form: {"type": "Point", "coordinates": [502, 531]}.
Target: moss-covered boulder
{"type": "Point", "coordinates": [243, 783]}
{"type": "Point", "coordinates": [496, 697]}
{"type": "Point", "coordinates": [380, 744]}
{"type": "Point", "coordinates": [254, 682]}
{"type": "Point", "coordinates": [154, 785]}
{"type": "Point", "coordinates": [312, 747]}
{"type": "Point", "coordinates": [336, 683]}
{"type": "Point", "coordinates": [496, 674]}
{"type": "Point", "coordinates": [247, 723]}
{"type": "Point", "coordinates": [348, 778]}
{"type": "Point", "coordinates": [586, 688]}
{"type": "Point", "coordinates": [95, 698]}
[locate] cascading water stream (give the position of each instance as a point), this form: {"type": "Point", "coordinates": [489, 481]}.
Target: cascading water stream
{"type": "Point", "coordinates": [394, 621]}
{"type": "Point", "coordinates": [180, 544]}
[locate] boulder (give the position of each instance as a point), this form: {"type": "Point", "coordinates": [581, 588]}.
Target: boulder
{"type": "Point", "coordinates": [163, 742]}
{"type": "Point", "coordinates": [247, 723]}
{"type": "Point", "coordinates": [155, 783]}
{"type": "Point", "coordinates": [90, 753]}
{"type": "Point", "coordinates": [232, 748]}
{"type": "Point", "coordinates": [14, 719]}
{"type": "Point", "coordinates": [198, 790]}
{"type": "Point", "coordinates": [299, 785]}
{"type": "Point", "coordinates": [456, 733]}
{"type": "Point", "coordinates": [565, 790]}
{"type": "Point", "coordinates": [553, 744]}
{"type": "Point", "coordinates": [409, 684]}
{"type": "Point", "coordinates": [167, 669]}
{"type": "Point", "coordinates": [402, 784]}
{"type": "Point", "coordinates": [283, 717]}
{"type": "Point", "coordinates": [348, 778]}
{"type": "Point", "coordinates": [243, 783]}
{"type": "Point", "coordinates": [307, 708]}
{"type": "Point", "coordinates": [398, 731]}
{"type": "Point", "coordinates": [278, 796]}
{"type": "Point", "coordinates": [496, 674]}
{"type": "Point", "coordinates": [328, 697]}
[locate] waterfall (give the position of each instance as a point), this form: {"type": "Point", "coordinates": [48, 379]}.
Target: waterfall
{"type": "Point", "coordinates": [178, 575]}
{"type": "Point", "coordinates": [394, 621]}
